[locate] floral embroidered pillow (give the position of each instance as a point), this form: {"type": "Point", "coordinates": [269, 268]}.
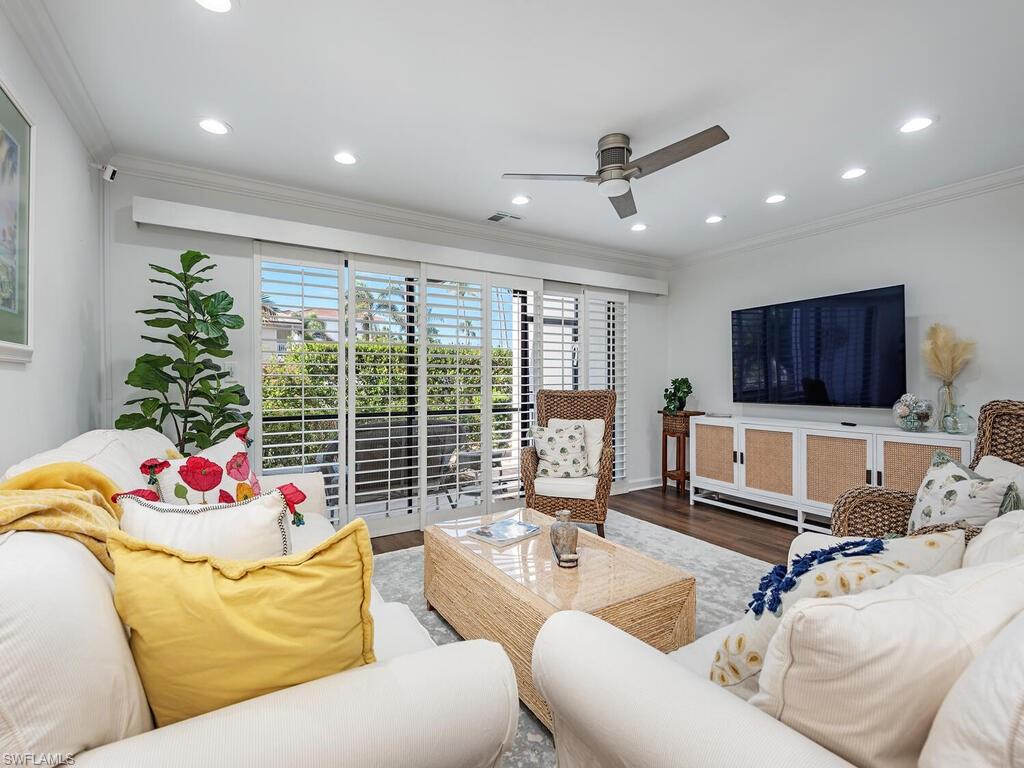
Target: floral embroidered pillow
{"type": "Point", "coordinates": [951, 492]}
{"type": "Point", "coordinates": [221, 474]}
{"type": "Point", "coordinates": [561, 451]}
{"type": "Point", "coordinates": [218, 475]}
{"type": "Point", "coordinates": [844, 569]}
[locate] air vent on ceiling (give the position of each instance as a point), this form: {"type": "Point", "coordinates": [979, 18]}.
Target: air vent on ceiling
{"type": "Point", "coordinates": [499, 216]}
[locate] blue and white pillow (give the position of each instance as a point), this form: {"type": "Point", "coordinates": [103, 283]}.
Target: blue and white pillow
{"type": "Point", "coordinates": [846, 568]}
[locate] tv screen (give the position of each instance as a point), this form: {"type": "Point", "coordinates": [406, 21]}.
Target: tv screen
{"type": "Point", "coordinates": [844, 350]}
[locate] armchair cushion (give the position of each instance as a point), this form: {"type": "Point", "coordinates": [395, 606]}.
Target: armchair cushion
{"type": "Point", "coordinates": [593, 437]}
{"type": "Point", "coordinates": [951, 492]}
{"type": "Point", "coordinates": [566, 487]}
{"type": "Point", "coordinates": [562, 451]}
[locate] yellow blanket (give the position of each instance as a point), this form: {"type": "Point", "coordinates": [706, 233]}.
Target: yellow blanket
{"type": "Point", "coordinates": [70, 499]}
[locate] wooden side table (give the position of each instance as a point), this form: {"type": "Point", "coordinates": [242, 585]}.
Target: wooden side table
{"type": "Point", "coordinates": [675, 425]}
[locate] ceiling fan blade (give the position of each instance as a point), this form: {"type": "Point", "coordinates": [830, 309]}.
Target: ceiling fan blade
{"type": "Point", "coordinates": [673, 153]}
{"type": "Point", "coordinates": [550, 176]}
{"type": "Point", "coordinates": [624, 205]}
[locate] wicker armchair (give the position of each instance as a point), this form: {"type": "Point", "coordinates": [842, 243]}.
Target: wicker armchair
{"type": "Point", "coordinates": [873, 511]}
{"type": "Point", "coordinates": [558, 404]}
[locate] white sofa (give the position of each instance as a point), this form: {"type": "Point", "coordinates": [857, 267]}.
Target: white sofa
{"type": "Point", "coordinates": [59, 628]}
{"type": "Point", "coordinates": [618, 702]}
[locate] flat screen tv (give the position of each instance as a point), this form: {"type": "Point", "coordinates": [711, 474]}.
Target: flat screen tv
{"type": "Point", "coordinates": [843, 350]}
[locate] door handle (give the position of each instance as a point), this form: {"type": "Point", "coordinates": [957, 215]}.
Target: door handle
{"type": "Point", "coordinates": [867, 477]}
{"type": "Point", "coordinates": [878, 477]}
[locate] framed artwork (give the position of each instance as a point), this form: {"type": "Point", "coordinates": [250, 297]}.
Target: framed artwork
{"type": "Point", "coordinates": [17, 145]}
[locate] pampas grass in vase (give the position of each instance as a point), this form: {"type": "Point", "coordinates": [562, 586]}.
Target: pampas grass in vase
{"type": "Point", "coordinates": [946, 356]}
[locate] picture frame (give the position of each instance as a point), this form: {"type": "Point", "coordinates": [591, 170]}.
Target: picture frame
{"type": "Point", "coordinates": [17, 192]}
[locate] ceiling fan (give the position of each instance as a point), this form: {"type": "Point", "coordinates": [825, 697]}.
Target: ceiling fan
{"type": "Point", "coordinates": [615, 170]}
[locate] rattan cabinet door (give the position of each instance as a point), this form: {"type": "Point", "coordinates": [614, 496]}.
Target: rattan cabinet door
{"type": "Point", "coordinates": [904, 462]}
{"type": "Point", "coordinates": [714, 447]}
{"type": "Point", "coordinates": [767, 457]}
{"type": "Point", "coordinates": [835, 463]}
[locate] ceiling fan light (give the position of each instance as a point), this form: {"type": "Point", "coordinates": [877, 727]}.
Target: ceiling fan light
{"type": "Point", "coordinates": [613, 187]}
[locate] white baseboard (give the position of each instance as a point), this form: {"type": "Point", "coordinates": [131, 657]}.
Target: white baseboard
{"type": "Point", "coordinates": [647, 482]}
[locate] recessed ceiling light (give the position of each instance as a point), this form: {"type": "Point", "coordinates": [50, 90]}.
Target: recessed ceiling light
{"type": "Point", "coordinates": [639, 227]}
{"type": "Point", "coordinates": [854, 173]}
{"type": "Point", "coordinates": [520, 200]}
{"type": "Point", "coordinates": [214, 126]}
{"type": "Point", "coordinates": [916, 124]}
{"type": "Point", "coordinates": [716, 219]}
{"type": "Point", "coordinates": [217, 6]}
{"type": "Point", "coordinates": [773, 199]}
{"type": "Point", "coordinates": [345, 158]}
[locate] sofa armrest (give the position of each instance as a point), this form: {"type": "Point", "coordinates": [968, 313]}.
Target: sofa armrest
{"type": "Point", "coordinates": [618, 702]}
{"type": "Point", "coordinates": [872, 511]}
{"type": "Point", "coordinates": [310, 483]}
{"type": "Point", "coordinates": [454, 706]}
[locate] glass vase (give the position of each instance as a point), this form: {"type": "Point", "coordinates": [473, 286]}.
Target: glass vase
{"type": "Point", "coordinates": [564, 535]}
{"type": "Point", "coordinates": [947, 403]}
{"type": "Point", "coordinates": [960, 423]}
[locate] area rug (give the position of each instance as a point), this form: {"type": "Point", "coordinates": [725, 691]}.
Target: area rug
{"type": "Point", "coordinates": [725, 580]}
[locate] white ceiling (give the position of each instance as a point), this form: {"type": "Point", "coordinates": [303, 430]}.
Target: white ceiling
{"type": "Point", "coordinates": [438, 98]}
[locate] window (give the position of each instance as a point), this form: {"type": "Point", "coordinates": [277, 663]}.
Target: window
{"type": "Point", "coordinates": [560, 343]}
{"type": "Point", "coordinates": [412, 387]}
{"type": "Point", "coordinates": [584, 347]}
{"type": "Point", "coordinates": [606, 362]}
{"type": "Point", "coordinates": [383, 394]}
{"type": "Point", "coordinates": [299, 351]}
{"type": "Point", "coordinates": [513, 384]}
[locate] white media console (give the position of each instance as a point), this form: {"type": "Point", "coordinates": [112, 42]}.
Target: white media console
{"type": "Point", "coordinates": [793, 471]}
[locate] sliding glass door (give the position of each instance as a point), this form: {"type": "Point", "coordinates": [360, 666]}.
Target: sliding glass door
{"type": "Point", "coordinates": [410, 387]}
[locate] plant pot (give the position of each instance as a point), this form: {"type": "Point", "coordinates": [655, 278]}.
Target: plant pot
{"type": "Point", "coordinates": [674, 422]}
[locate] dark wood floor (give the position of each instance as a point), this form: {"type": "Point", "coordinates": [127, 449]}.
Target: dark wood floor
{"type": "Point", "coordinates": [752, 536]}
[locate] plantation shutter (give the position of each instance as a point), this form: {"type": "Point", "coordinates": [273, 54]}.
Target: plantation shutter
{"type": "Point", "coordinates": [513, 380]}
{"type": "Point", "coordinates": [560, 340]}
{"type": "Point", "coordinates": [456, 432]}
{"type": "Point", "coordinates": [300, 427]}
{"type": "Point", "coordinates": [383, 394]}
{"type": "Point", "coordinates": [606, 365]}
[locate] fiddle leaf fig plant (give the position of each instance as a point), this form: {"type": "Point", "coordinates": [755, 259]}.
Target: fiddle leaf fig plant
{"type": "Point", "coordinates": [186, 384]}
{"type": "Point", "coordinates": [676, 394]}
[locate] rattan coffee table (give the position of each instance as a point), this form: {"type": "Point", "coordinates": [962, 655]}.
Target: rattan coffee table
{"type": "Point", "coordinates": [505, 595]}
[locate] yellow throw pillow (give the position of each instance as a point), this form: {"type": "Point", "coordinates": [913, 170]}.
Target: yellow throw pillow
{"type": "Point", "coordinates": [206, 633]}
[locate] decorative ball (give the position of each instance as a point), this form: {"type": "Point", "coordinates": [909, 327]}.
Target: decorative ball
{"type": "Point", "coordinates": [913, 414]}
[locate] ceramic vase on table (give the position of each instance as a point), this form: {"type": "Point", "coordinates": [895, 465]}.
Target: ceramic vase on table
{"type": "Point", "coordinates": [564, 536]}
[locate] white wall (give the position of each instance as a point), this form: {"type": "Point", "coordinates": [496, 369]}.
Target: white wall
{"type": "Point", "coordinates": [57, 395]}
{"type": "Point", "coordinates": [130, 248]}
{"type": "Point", "coordinates": [962, 262]}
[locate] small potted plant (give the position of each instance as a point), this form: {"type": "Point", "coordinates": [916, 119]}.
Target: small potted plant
{"type": "Point", "coordinates": [676, 394]}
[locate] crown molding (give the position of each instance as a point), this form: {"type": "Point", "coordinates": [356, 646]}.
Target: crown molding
{"type": "Point", "coordinates": [239, 185]}
{"type": "Point", "coordinates": [33, 25]}
{"type": "Point", "coordinates": [980, 185]}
